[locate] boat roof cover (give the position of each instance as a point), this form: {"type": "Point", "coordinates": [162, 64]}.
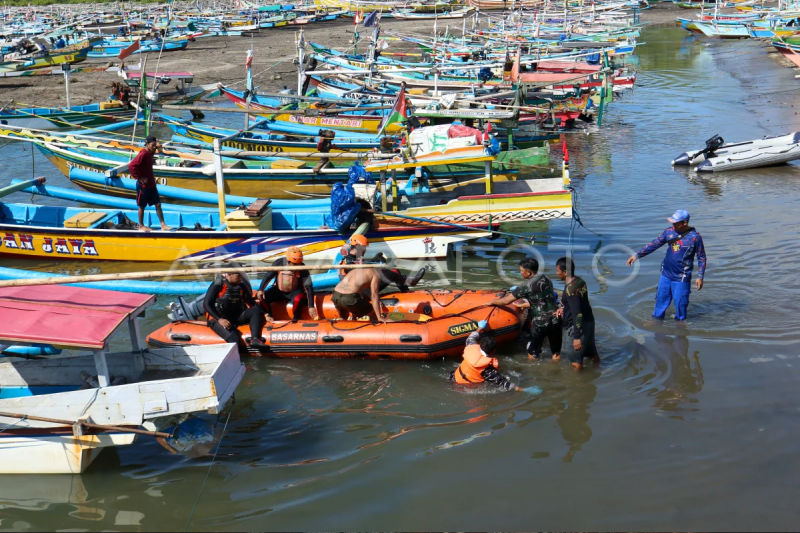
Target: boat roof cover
{"type": "Point", "coordinates": [65, 316]}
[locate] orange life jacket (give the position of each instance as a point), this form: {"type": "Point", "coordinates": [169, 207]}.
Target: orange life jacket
{"type": "Point", "coordinates": [288, 280]}
{"type": "Point", "coordinates": [473, 364]}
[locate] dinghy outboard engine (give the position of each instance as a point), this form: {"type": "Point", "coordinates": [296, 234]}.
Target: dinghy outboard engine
{"type": "Point", "coordinates": [712, 145]}
{"type": "Point", "coordinates": [183, 311]}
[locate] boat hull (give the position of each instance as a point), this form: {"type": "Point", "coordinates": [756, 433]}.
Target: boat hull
{"type": "Point", "coordinates": [455, 314]}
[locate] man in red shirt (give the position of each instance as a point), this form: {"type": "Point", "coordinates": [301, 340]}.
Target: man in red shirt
{"type": "Point", "coordinates": [141, 169]}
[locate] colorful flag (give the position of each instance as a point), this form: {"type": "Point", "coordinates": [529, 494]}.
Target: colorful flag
{"type": "Point", "coordinates": [128, 51]}
{"type": "Point", "coordinates": [357, 18]}
{"type": "Point", "coordinates": [398, 113]}
{"type": "Point", "coordinates": [249, 61]}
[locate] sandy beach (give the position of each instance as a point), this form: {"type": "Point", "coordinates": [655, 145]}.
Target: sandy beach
{"type": "Point", "coordinates": [221, 59]}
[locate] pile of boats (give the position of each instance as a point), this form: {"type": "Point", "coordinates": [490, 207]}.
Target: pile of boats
{"type": "Point", "coordinates": [442, 145]}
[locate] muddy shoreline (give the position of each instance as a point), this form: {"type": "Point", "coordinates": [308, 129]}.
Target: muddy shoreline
{"type": "Point", "coordinates": [221, 59]}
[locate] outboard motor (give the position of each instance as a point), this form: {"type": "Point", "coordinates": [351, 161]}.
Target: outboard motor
{"type": "Point", "coordinates": [181, 310]}
{"type": "Point", "coordinates": [712, 145]}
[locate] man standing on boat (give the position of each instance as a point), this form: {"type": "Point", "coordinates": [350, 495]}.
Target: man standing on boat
{"type": "Point", "coordinates": [676, 269]}
{"type": "Point", "coordinates": [141, 169]}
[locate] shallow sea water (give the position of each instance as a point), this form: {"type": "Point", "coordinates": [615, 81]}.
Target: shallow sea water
{"type": "Point", "coordinates": [682, 427]}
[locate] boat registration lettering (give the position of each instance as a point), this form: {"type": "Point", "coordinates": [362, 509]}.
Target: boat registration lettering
{"type": "Point", "coordinates": [69, 247]}
{"type": "Point", "coordinates": [291, 337]}
{"type": "Point", "coordinates": [326, 121]}
{"type": "Point", "coordinates": [25, 242]}
{"type": "Point", "coordinates": [461, 329]}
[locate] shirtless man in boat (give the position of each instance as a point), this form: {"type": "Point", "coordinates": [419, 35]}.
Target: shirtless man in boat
{"type": "Point", "coordinates": [348, 297]}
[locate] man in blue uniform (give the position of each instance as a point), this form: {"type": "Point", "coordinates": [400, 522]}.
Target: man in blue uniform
{"type": "Point", "coordinates": [684, 243]}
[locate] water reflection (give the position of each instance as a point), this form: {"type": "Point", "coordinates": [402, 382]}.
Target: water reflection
{"type": "Point", "coordinates": [669, 374]}
{"type": "Point", "coordinates": [572, 411]}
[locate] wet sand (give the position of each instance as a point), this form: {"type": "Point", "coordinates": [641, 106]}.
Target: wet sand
{"type": "Point", "coordinates": [221, 59]}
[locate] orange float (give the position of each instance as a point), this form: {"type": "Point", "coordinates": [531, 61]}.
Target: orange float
{"type": "Point", "coordinates": [426, 324]}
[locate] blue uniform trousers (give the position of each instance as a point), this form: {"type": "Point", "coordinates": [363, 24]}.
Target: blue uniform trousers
{"type": "Point", "coordinates": [669, 291]}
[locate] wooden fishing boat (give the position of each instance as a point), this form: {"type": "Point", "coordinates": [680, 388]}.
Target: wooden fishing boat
{"type": "Point", "coordinates": [66, 118]}
{"type": "Point", "coordinates": [41, 232]}
{"type": "Point", "coordinates": [423, 325]}
{"type": "Point", "coordinates": [58, 414]}
{"type": "Point", "coordinates": [48, 59]}
{"type": "Point", "coordinates": [403, 14]}
{"type": "Point", "coordinates": [489, 5]}
{"type": "Point", "coordinates": [357, 123]}
{"type": "Point", "coordinates": [262, 179]}
{"type": "Point", "coordinates": [258, 141]}
{"type": "Point", "coordinates": [112, 48]}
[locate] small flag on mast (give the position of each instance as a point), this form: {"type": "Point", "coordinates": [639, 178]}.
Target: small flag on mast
{"type": "Point", "coordinates": [398, 113]}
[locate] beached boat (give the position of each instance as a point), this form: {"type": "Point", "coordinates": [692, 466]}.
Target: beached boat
{"type": "Point", "coordinates": [47, 59]}
{"type": "Point", "coordinates": [59, 413]}
{"type": "Point", "coordinates": [423, 325]}
{"type": "Point", "coordinates": [406, 14]}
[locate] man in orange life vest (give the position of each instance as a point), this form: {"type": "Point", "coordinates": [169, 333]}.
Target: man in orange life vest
{"type": "Point", "coordinates": [290, 286]}
{"type": "Point", "coordinates": [478, 364]}
{"type": "Point", "coordinates": [229, 303]}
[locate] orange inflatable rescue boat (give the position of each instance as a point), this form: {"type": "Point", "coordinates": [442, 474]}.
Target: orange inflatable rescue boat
{"type": "Point", "coordinates": [425, 324]}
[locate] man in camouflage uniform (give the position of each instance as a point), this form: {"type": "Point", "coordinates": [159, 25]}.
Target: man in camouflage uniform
{"type": "Point", "coordinates": [540, 299]}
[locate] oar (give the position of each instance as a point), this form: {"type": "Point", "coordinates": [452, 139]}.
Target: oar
{"type": "Point", "coordinates": [165, 274]}
{"type": "Point", "coordinates": [87, 424]}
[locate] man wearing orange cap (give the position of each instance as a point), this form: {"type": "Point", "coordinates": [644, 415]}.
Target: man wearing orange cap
{"type": "Point", "coordinates": [353, 253]}
{"type": "Point", "coordinates": [290, 286]}
{"type": "Point", "coordinates": [348, 295]}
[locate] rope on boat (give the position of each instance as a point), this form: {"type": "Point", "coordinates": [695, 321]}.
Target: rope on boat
{"type": "Point", "coordinates": [15, 423]}
{"type": "Point", "coordinates": [213, 460]}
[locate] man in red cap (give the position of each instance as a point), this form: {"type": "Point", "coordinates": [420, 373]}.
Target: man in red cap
{"type": "Point", "coordinates": [141, 169]}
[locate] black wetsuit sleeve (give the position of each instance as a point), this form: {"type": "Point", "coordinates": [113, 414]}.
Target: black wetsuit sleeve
{"type": "Point", "coordinates": [308, 286]}
{"type": "Point", "coordinates": [247, 295]}
{"type": "Point", "coordinates": [271, 275]}
{"type": "Point", "coordinates": [211, 299]}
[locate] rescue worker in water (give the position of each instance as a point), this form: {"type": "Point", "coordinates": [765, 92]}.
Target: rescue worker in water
{"type": "Point", "coordinates": [290, 286]}
{"type": "Point", "coordinates": [479, 365]}
{"type": "Point", "coordinates": [229, 303]}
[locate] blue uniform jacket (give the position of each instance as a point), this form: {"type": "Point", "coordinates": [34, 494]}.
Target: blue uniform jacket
{"type": "Point", "coordinates": [678, 263]}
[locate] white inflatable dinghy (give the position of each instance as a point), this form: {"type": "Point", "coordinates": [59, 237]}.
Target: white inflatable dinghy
{"type": "Point", "coordinates": [718, 157]}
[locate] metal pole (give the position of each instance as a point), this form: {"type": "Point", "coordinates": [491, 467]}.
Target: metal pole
{"type": "Point", "coordinates": [220, 181]}
{"type": "Point", "coordinates": [300, 59]}
{"type": "Point", "coordinates": [383, 191]}
{"type": "Point", "coordinates": [66, 69]}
